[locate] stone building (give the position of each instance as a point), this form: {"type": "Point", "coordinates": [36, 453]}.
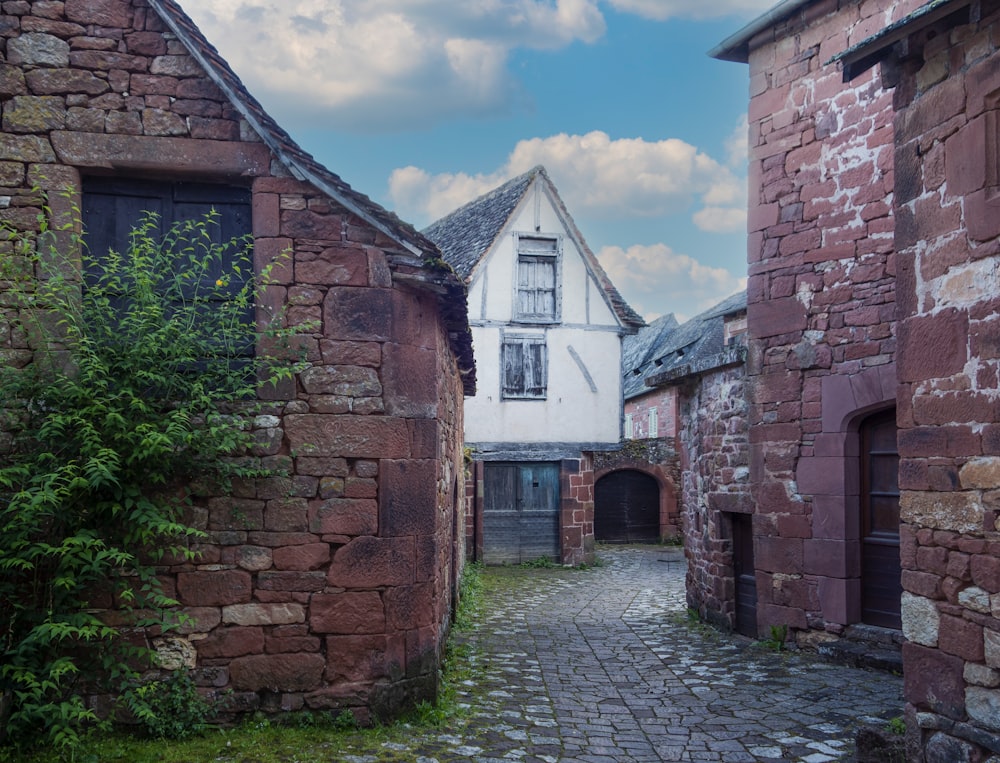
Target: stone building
{"type": "Point", "coordinates": [548, 325]}
{"type": "Point", "coordinates": [331, 588]}
{"type": "Point", "coordinates": [873, 361]}
{"type": "Point", "coordinates": [693, 375]}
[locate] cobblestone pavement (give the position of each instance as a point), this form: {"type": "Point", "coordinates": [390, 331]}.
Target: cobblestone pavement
{"type": "Point", "coordinates": [602, 666]}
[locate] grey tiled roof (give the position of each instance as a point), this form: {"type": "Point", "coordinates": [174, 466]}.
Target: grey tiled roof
{"type": "Point", "coordinates": [674, 352]}
{"type": "Point", "coordinates": [467, 234]}
{"type": "Point", "coordinates": [423, 253]}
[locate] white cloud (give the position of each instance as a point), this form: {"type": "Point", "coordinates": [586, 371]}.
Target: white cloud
{"type": "Point", "coordinates": [655, 277]}
{"type": "Point", "coordinates": [598, 178]}
{"type": "Point", "coordinates": [738, 143]}
{"type": "Point", "coordinates": [660, 10]}
{"type": "Point", "coordinates": [376, 64]}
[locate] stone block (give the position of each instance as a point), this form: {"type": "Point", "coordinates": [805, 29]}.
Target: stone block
{"type": "Point", "coordinates": [961, 637]}
{"type": "Point", "coordinates": [233, 641]}
{"type": "Point", "coordinates": [408, 607]}
{"type": "Point", "coordinates": [983, 706]}
{"type": "Point", "coordinates": [347, 613]}
{"type": "Point", "coordinates": [959, 512]}
{"type": "Point", "coordinates": [424, 437]}
{"type": "Point", "coordinates": [361, 658]}
{"type": "Point", "coordinates": [408, 498]}
{"type": "Point", "coordinates": [333, 267]}
{"type": "Point", "coordinates": [825, 476]}
{"type": "Point", "coordinates": [832, 558]}
{"type": "Point", "coordinates": [349, 381]}
{"type": "Point", "coordinates": [368, 562]}
{"type": "Point", "coordinates": [38, 49]}
{"type": "Point", "coordinates": [312, 556]}
{"type": "Point", "coordinates": [779, 555]}
{"type": "Point", "coordinates": [317, 435]}
{"type": "Point", "coordinates": [991, 647]}
{"type": "Point", "coordinates": [985, 571]}
{"type": "Point", "coordinates": [344, 516]}
{"type": "Point", "coordinates": [263, 614]}
{"type": "Point", "coordinates": [291, 581]}
{"type": "Point", "coordinates": [357, 314]}
{"type": "Point", "coordinates": [933, 680]}
{"type": "Point", "coordinates": [921, 619]}
{"type": "Point", "coordinates": [975, 598]}
{"type": "Point", "coordinates": [106, 13]}
{"type": "Point", "coordinates": [213, 588]}
{"type": "Point", "coordinates": [287, 515]}
{"type": "Point", "coordinates": [932, 347]}
{"type": "Point", "coordinates": [253, 558]}
{"type": "Point", "coordinates": [277, 672]}
{"type": "Point", "coordinates": [410, 375]}
{"type": "Point", "coordinates": [982, 472]}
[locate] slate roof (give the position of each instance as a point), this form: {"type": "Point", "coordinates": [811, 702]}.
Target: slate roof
{"type": "Point", "coordinates": [450, 289]}
{"type": "Point", "coordinates": [467, 234]}
{"type": "Point", "coordinates": [693, 347]}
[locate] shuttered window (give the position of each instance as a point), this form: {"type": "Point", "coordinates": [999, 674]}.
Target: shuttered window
{"type": "Point", "coordinates": [629, 431]}
{"type": "Point", "coordinates": [112, 207]}
{"type": "Point", "coordinates": [524, 367]}
{"type": "Point", "coordinates": [537, 297]}
{"type": "Point", "coordinates": [654, 423]}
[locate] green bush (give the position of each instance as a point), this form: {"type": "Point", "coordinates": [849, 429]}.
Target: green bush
{"type": "Point", "coordinates": [139, 387]}
{"type": "Point", "coordinates": [170, 708]}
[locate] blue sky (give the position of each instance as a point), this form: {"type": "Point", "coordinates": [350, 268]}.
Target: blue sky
{"type": "Point", "coordinates": [425, 104]}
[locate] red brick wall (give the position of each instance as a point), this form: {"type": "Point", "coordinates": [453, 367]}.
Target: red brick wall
{"type": "Point", "coordinates": [820, 303]}
{"type": "Point", "coordinates": [715, 481]}
{"type": "Point", "coordinates": [947, 228]}
{"type": "Point", "coordinates": [330, 588]}
{"type": "Point", "coordinates": [664, 400]}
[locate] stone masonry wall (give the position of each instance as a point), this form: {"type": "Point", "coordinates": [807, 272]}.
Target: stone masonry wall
{"type": "Point", "coordinates": [948, 244]}
{"type": "Point", "coordinates": [820, 302]}
{"type": "Point", "coordinates": [715, 478]}
{"type": "Point", "coordinates": [330, 588]}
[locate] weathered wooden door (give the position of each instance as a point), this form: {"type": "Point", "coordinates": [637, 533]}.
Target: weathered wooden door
{"type": "Point", "coordinates": [520, 512]}
{"type": "Point", "coordinates": [881, 589]}
{"type": "Point", "coordinates": [627, 508]}
{"type": "Point", "coordinates": [745, 574]}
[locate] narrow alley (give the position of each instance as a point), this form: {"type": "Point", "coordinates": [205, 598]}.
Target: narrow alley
{"type": "Point", "coordinates": [602, 665]}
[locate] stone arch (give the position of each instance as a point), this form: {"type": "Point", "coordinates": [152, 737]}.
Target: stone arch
{"type": "Point", "coordinates": [831, 476]}
{"type": "Point", "coordinates": [670, 522]}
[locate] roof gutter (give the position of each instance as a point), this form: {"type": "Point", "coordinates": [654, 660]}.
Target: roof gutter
{"type": "Point", "coordinates": [736, 47]}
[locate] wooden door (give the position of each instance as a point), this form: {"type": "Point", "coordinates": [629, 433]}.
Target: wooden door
{"type": "Point", "coordinates": [627, 508]}
{"type": "Point", "coordinates": [745, 574]}
{"type": "Point", "coordinates": [881, 589]}
{"type": "Point", "coordinates": [520, 512]}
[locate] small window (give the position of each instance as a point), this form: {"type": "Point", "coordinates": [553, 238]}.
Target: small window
{"type": "Point", "coordinates": [524, 365]}
{"type": "Point", "coordinates": [654, 424]}
{"type": "Point", "coordinates": [537, 296]}
{"type": "Point", "coordinates": [629, 428]}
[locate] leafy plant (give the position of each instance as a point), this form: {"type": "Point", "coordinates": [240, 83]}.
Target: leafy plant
{"type": "Point", "coordinates": [169, 708]}
{"type": "Point", "coordinates": [896, 725]}
{"type": "Point", "coordinates": [139, 385]}
{"type": "Point", "coordinates": [776, 641]}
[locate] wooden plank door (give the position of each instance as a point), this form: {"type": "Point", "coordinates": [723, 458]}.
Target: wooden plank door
{"type": "Point", "coordinates": [745, 573]}
{"type": "Point", "coordinates": [881, 589]}
{"type": "Point", "coordinates": [520, 512]}
{"type": "Point", "coordinates": [627, 508]}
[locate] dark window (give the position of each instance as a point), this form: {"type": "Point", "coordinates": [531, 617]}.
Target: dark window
{"type": "Point", "coordinates": [113, 207]}
{"type": "Point", "coordinates": [537, 298]}
{"type": "Point", "coordinates": [524, 367]}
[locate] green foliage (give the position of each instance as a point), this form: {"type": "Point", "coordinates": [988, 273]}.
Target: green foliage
{"type": "Point", "coordinates": [170, 708]}
{"type": "Point", "coordinates": [896, 725]}
{"type": "Point", "coordinates": [139, 386]}
{"type": "Point", "coordinates": [541, 562]}
{"type": "Point", "coordinates": [470, 601]}
{"type": "Point", "coordinates": [777, 639]}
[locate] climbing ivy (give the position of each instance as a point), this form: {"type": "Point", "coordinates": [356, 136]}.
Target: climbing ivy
{"type": "Point", "coordinates": [139, 387]}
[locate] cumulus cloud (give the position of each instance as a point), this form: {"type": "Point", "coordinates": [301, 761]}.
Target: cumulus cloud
{"type": "Point", "coordinates": [599, 178]}
{"type": "Point", "coordinates": [660, 10]}
{"type": "Point", "coordinates": [651, 276]}
{"type": "Point", "coordinates": [376, 64]}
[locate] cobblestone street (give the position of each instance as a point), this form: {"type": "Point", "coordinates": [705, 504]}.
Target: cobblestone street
{"type": "Point", "coordinates": [602, 666]}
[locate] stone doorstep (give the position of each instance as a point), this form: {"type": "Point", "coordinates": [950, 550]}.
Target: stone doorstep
{"type": "Point", "coordinates": [866, 646]}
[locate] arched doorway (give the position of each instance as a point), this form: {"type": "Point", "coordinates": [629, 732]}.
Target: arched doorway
{"type": "Point", "coordinates": [881, 589]}
{"type": "Point", "coordinates": [627, 508]}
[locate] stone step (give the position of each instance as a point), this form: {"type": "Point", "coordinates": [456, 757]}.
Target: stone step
{"type": "Point", "coordinates": [863, 654]}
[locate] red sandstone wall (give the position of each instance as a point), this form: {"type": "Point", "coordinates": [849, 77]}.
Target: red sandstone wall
{"type": "Point", "coordinates": [332, 587]}
{"type": "Point", "coordinates": [820, 303]}
{"type": "Point", "coordinates": [715, 479]}
{"type": "Point", "coordinates": [948, 223]}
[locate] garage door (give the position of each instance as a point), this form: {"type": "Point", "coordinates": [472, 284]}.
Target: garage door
{"type": "Point", "coordinates": [520, 512]}
{"type": "Point", "coordinates": [627, 508]}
